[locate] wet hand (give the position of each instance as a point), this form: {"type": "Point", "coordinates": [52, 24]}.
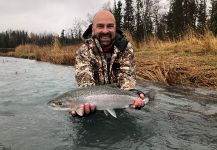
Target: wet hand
{"type": "Point", "coordinates": [138, 103]}
{"type": "Point", "coordinates": [85, 109]}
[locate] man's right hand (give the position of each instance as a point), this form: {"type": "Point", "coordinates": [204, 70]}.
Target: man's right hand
{"type": "Point", "coordinates": [86, 109]}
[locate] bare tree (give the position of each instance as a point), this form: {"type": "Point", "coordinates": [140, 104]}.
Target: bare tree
{"type": "Point", "coordinates": [90, 18]}
{"type": "Point", "coordinates": [78, 27]}
{"type": "Point", "coordinates": [107, 6]}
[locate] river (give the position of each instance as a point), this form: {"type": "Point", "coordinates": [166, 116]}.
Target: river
{"type": "Point", "coordinates": [178, 118]}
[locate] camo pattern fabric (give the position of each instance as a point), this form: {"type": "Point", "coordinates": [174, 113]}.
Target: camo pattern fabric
{"type": "Point", "coordinates": [92, 69]}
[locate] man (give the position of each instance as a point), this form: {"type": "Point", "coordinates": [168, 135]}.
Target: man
{"type": "Point", "coordinates": [105, 58]}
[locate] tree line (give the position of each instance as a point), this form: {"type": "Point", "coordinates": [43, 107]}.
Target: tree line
{"type": "Point", "coordinates": [13, 38]}
{"type": "Point", "coordinates": [144, 18]}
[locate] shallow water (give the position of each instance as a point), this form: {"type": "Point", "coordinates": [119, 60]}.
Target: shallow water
{"type": "Point", "coordinates": [179, 118]}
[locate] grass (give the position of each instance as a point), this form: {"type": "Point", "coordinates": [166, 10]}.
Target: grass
{"type": "Point", "coordinates": [54, 54]}
{"type": "Point", "coordinates": [191, 61]}
{"type": "Point", "coordinates": [57, 54]}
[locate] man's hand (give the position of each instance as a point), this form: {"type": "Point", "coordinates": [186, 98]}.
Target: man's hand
{"type": "Point", "coordinates": [85, 109]}
{"type": "Point", "coordinates": [138, 103]}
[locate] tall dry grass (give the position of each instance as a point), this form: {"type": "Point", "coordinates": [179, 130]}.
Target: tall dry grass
{"type": "Point", "coordinates": [26, 51]}
{"type": "Point", "coordinates": [190, 61]}
{"type": "Point", "coordinates": [191, 43]}
{"type": "Point", "coordinates": [56, 53]}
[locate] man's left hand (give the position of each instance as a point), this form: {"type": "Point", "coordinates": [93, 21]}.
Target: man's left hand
{"type": "Point", "coordinates": [138, 103]}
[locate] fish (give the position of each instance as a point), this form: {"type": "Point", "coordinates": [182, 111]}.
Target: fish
{"type": "Point", "coordinates": [105, 97]}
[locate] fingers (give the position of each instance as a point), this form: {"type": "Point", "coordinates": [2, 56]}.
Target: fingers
{"type": "Point", "coordinates": [138, 103]}
{"type": "Point", "coordinates": [142, 96]}
{"type": "Point", "coordinates": [85, 109]}
{"type": "Point", "coordinates": [73, 113]}
{"type": "Point", "coordinates": [92, 107]}
{"type": "Point", "coordinates": [81, 110]}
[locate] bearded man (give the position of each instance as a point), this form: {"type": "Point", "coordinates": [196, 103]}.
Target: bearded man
{"type": "Point", "coordinates": [106, 57]}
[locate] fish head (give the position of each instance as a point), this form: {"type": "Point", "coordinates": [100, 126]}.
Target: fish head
{"type": "Point", "coordinates": [63, 104]}
{"type": "Point", "coordinates": [57, 105]}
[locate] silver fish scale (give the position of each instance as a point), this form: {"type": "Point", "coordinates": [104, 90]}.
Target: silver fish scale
{"type": "Point", "coordinates": [97, 90]}
{"type": "Point", "coordinates": [106, 101]}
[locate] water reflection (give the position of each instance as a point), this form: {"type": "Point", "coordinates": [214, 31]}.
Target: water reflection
{"type": "Point", "coordinates": [99, 131]}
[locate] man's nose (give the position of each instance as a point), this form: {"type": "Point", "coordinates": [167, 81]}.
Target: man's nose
{"type": "Point", "coordinates": [105, 30]}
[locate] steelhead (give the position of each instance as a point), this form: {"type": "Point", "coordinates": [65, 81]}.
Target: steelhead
{"type": "Point", "coordinates": [105, 97]}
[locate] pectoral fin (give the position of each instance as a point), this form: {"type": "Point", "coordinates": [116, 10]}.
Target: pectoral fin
{"type": "Point", "coordinates": [80, 112]}
{"type": "Point", "coordinates": [110, 111]}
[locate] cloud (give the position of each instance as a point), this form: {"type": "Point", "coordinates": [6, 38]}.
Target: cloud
{"type": "Point", "coordinates": [45, 15]}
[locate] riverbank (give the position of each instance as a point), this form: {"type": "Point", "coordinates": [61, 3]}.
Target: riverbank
{"type": "Point", "coordinates": [191, 61]}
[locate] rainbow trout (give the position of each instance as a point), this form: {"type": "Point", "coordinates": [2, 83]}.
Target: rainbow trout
{"type": "Point", "coordinates": [105, 97]}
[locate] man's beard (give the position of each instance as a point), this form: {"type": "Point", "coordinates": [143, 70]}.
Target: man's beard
{"type": "Point", "coordinates": [104, 43]}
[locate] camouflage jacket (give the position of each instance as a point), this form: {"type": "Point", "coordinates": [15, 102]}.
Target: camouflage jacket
{"type": "Point", "coordinates": [94, 67]}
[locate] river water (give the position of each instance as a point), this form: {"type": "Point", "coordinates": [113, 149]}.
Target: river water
{"type": "Point", "coordinates": [178, 118]}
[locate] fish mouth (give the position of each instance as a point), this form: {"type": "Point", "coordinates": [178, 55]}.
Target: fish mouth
{"type": "Point", "coordinates": [52, 105]}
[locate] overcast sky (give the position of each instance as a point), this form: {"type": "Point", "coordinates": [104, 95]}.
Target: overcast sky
{"type": "Point", "coordinates": [45, 15]}
{"type": "Point", "coordinates": [49, 16]}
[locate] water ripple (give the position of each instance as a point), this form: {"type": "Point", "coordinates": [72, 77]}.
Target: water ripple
{"type": "Point", "coordinates": [178, 118]}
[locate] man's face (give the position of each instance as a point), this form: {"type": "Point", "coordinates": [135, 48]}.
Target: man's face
{"type": "Point", "coordinates": [104, 28]}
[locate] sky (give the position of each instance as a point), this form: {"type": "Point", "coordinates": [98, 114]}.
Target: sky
{"type": "Point", "coordinates": [45, 16]}
{"type": "Point", "coordinates": [49, 16]}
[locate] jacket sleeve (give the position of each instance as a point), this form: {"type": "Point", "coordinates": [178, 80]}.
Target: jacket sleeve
{"type": "Point", "coordinates": [127, 76]}
{"type": "Point", "coordinates": [83, 67]}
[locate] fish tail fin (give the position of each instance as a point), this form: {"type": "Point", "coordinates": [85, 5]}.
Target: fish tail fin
{"type": "Point", "coordinates": [145, 100]}
{"type": "Point", "coordinates": [151, 95]}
